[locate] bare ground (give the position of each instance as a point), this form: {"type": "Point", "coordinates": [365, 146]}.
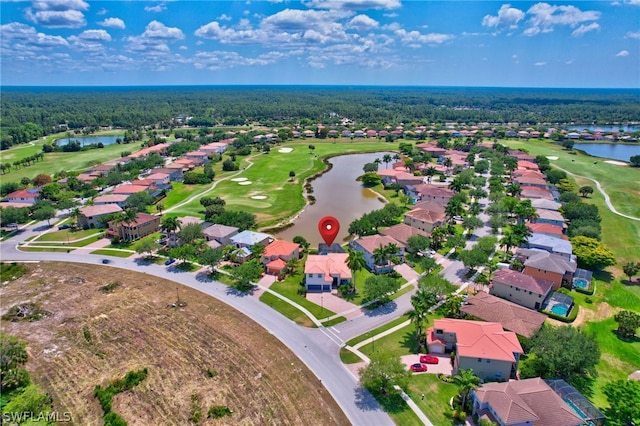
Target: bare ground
{"type": "Point", "coordinates": [93, 337]}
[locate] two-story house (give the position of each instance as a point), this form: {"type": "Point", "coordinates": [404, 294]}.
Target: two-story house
{"type": "Point", "coordinates": [326, 272]}
{"type": "Point", "coordinates": [519, 288]}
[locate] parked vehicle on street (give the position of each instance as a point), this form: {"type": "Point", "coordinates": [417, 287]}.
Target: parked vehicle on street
{"type": "Point", "coordinates": [169, 261]}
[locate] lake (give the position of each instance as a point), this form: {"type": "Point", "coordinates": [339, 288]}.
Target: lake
{"type": "Point", "coordinates": [90, 140]}
{"type": "Point", "coordinates": [605, 129]}
{"type": "Point", "coordinates": [614, 151]}
{"type": "Point", "coordinates": [337, 194]}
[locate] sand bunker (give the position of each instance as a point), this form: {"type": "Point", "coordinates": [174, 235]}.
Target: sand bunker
{"type": "Point", "coordinates": [245, 182]}
{"type": "Point", "coordinates": [285, 150]}
{"type": "Point", "coordinates": [259, 197]}
{"type": "Point", "coordinates": [617, 163]}
{"type": "Point", "coordinates": [552, 157]}
{"type": "Point", "coordinates": [238, 179]}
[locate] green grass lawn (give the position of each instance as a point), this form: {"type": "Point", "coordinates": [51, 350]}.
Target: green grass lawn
{"type": "Point", "coordinates": [111, 252]}
{"type": "Point", "coordinates": [619, 182]}
{"type": "Point", "coordinates": [400, 342]}
{"type": "Point", "coordinates": [437, 395]}
{"type": "Point", "coordinates": [269, 176]}
{"type": "Point", "coordinates": [81, 243]}
{"type": "Point", "coordinates": [56, 161]}
{"type": "Point", "coordinates": [67, 235]}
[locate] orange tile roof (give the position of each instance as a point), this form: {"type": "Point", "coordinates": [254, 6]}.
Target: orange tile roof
{"type": "Point", "coordinates": [478, 339]}
{"type": "Point", "coordinates": [329, 264]}
{"type": "Point", "coordinates": [280, 248]}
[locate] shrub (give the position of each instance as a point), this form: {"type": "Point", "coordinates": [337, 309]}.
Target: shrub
{"type": "Point", "coordinates": [218, 411]}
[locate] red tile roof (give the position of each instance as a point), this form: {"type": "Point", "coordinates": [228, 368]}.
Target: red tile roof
{"type": "Point", "coordinates": [329, 264]}
{"type": "Point", "coordinates": [280, 248]}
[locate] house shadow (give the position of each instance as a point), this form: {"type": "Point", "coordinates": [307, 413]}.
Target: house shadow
{"type": "Point", "coordinates": [385, 309]}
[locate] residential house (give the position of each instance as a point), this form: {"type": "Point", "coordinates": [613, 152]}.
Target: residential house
{"type": "Point", "coordinates": [431, 149]}
{"type": "Point", "coordinates": [402, 232]}
{"type": "Point", "coordinates": [528, 402]}
{"type": "Point", "coordinates": [534, 192]}
{"type": "Point", "coordinates": [542, 204]}
{"type": "Point", "coordinates": [522, 321]}
{"type": "Point", "coordinates": [525, 164]}
{"type": "Point", "coordinates": [118, 199]}
{"type": "Point", "coordinates": [144, 224]}
{"type": "Point", "coordinates": [220, 233]}
{"type": "Point", "coordinates": [24, 196]}
{"type": "Point", "coordinates": [128, 189]}
{"type": "Point", "coordinates": [425, 192]}
{"type": "Point", "coordinates": [401, 177]}
{"type": "Point", "coordinates": [547, 229]}
{"type": "Point", "coordinates": [175, 173]}
{"type": "Point", "coordinates": [326, 272]}
{"type": "Point", "coordinates": [551, 244]}
{"type": "Point", "coordinates": [90, 216]}
{"type": "Point", "coordinates": [424, 220]}
{"type": "Point", "coordinates": [520, 288]}
{"type": "Point", "coordinates": [214, 148]}
{"type": "Point", "coordinates": [548, 266]}
{"type": "Point", "coordinates": [531, 181]}
{"type": "Point", "coordinates": [551, 217]}
{"type": "Point", "coordinates": [160, 149]}
{"type": "Point", "coordinates": [484, 347]}
{"type": "Point", "coordinates": [528, 173]}
{"type": "Point", "coordinates": [199, 157]}
{"type": "Point", "coordinates": [434, 206]}
{"type": "Point", "coordinates": [160, 180]}
{"type": "Point", "coordinates": [277, 254]}
{"type": "Point", "coordinates": [250, 238]}
{"type": "Point", "coordinates": [367, 245]}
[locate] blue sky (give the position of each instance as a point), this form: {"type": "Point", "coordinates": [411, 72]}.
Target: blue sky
{"type": "Point", "coordinates": [321, 42]}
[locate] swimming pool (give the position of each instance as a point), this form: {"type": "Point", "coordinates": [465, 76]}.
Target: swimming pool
{"type": "Point", "coordinates": [560, 310]}
{"type": "Point", "coordinates": [581, 283]}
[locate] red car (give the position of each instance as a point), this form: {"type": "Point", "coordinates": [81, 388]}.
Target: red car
{"type": "Point", "coordinates": [428, 359]}
{"type": "Point", "coordinates": [418, 368]}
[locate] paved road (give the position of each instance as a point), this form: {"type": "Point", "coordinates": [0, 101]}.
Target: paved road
{"type": "Point", "coordinates": [317, 348]}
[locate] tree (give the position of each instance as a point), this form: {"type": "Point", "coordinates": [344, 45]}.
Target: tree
{"type": "Point", "coordinates": [45, 213]}
{"type": "Point", "coordinates": [383, 373]}
{"type": "Point", "coordinates": [240, 219]}
{"type": "Point", "coordinates": [379, 288]}
{"type": "Point", "coordinates": [623, 397]}
{"type": "Point", "coordinates": [593, 254]}
{"type": "Point", "coordinates": [298, 239]}
{"type": "Point", "coordinates": [386, 159]}
{"type": "Point", "coordinates": [380, 256]}
{"type": "Point", "coordinates": [370, 168]}
{"type": "Point", "coordinates": [630, 269]}
{"type": "Point", "coordinates": [562, 352]}
{"type": "Point", "coordinates": [487, 244]}
{"type": "Point", "coordinates": [355, 262]}
{"type": "Point", "coordinates": [229, 165]}
{"type": "Point", "coordinates": [628, 323]}
{"type": "Point", "coordinates": [245, 274]}
{"type": "Point", "coordinates": [585, 190]}
{"type": "Point", "coordinates": [189, 233]}
{"type": "Point", "coordinates": [422, 301]}
{"type": "Point", "coordinates": [472, 222]}
{"type": "Point", "coordinates": [42, 179]}
{"type": "Point", "coordinates": [160, 207]}
{"type": "Point", "coordinates": [371, 179]}
{"type": "Point", "coordinates": [292, 174]}
{"type": "Point", "coordinates": [466, 381]}
{"type": "Point", "coordinates": [635, 160]}
{"type": "Point", "coordinates": [418, 242]}
{"type": "Point", "coordinates": [139, 201]}
{"type": "Point", "coordinates": [147, 246]}
{"type": "Point", "coordinates": [438, 236]}
{"type": "Point", "coordinates": [211, 257]}
{"type": "Point", "coordinates": [170, 225]}
{"type": "Point", "coordinates": [428, 264]}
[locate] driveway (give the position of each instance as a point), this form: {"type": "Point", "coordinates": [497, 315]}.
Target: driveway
{"type": "Point", "coordinates": [444, 366]}
{"type": "Point", "coordinates": [406, 272]}
{"type": "Point", "coordinates": [335, 304]}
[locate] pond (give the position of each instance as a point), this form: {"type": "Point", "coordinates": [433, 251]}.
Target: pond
{"type": "Point", "coordinates": [614, 151]}
{"type": "Point", "coordinates": [90, 140]}
{"type": "Point", "coordinates": [337, 194]}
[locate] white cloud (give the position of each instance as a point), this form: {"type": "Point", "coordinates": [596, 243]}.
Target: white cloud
{"type": "Point", "coordinates": [363, 23]}
{"type": "Point", "coordinates": [390, 15]}
{"type": "Point", "coordinates": [17, 36]}
{"type": "Point", "coordinates": [508, 17]}
{"type": "Point", "coordinates": [623, 53]}
{"type": "Point", "coordinates": [161, 7]}
{"type": "Point", "coordinates": [415, 38]}
{"type": "Point", "coordinates": [353, 4]}
{"type": "Point", "coordinates": [633, 34]}
{"type": "Point", "coordinates": [60, 5]}
{"type": "Point", "coordinates": [633, 2]}
{"type": "Point", "coordinates": [569, 62]}
{"type": "Point", "coordinates": [224, 17]}
{"type": "Point", "coordinates": [545, 16]}
{"type": "Point", "coordinates": [583, 29]}
{"type": "Point", "coordinates": [57, 18]}
{"type": "Point", "coordinates": [157, 30]}
{"type": "Point", "coordinates": [540, 64]}
{"type": "Point", "coordinates": [112, 23]}
{"type": "Point", "coordinates": [95, 35]}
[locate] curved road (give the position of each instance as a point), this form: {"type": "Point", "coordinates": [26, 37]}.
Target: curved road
{"type": "Point", "coordinates": [317, 348]}
{"type": "Point", "coordinates": [607, 200]}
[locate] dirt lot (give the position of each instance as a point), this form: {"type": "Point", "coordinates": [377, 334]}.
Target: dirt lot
{"type": "Point", "coordinates": [94, 336]}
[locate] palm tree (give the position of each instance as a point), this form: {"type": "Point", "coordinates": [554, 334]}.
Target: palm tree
{"type": "Point", "coordinates": [75, 214]}
{"type": "Point", "coordinates": [421, 301]}
{"type": "Point", "coordinates": [355, 262]}
{"type": "Point", "coordinates": [170, 225]}
{"type": "Point", "coordinates": [438, 236]}
{"type": "Point", "coordinates": [509, 239]}
{"type": "Point", "coordinates": [291, 265]}
{"type": "Point", "coordinates": [454, 208]}
{"type": "Point", "coordinates": [466, 381]}
{"type": "Point", "coordinates": [396, 157]}
{"type": "Point", "coordinates": [525, 211]}
{"type": "Point", "coordinates": [386, 159]}
{"type": "Point", "coordinates": [377, 162]}
{"type": "Point", "coordinates": [380, 255]}
{"type": "Point", "coordinates": [447, 162]}
{"type": "Point", "coordinates": [430, 172]}
{"type": "Point", "coordinates": [514, 189]}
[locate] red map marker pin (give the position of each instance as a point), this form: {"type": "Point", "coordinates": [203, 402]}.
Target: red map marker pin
{"type": "Point", "coordinates": [329, 228]}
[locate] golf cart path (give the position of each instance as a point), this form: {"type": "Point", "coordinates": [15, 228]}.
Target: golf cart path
{"type": "Point", "coordinates": [607, 200]}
